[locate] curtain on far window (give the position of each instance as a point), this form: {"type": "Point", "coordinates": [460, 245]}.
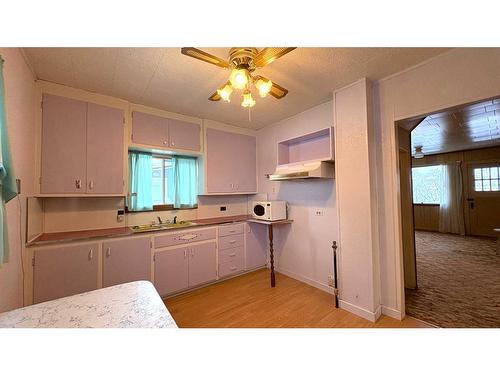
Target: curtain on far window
{"type": "Point", "coordinates": [185, 171]}
{"type": "Point", "coordinates": [140, 181]}
{"type": "Point", "coordinates": [8, 188]}
{"type": "Point", "coordinates": [451, 215]}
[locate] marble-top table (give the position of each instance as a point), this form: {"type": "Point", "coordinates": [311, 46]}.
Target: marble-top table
{"type": "Point", "coordinates": [130, 305]}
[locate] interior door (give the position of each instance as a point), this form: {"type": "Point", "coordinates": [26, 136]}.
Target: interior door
{"type": "Point", "coordinates": [184, 135]}
{"type": "Point", "coordinates": [126, 260]}
{"type": "Point", "coordinates": [105, 130]}
{"type": "Point", "coordinates": [483, 198]}
{"type": "Point", "coordinates": [202, 263]}
{"type": "Point", "coordinates": [64, 123]}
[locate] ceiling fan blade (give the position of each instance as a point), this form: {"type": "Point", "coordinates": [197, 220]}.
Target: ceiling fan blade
{"type": "Point", "coordinates": [214, 97]}
{"type": "Point", "coordinates": [204, 56]}
{"type": "Point", "coordinates": [269, 54]}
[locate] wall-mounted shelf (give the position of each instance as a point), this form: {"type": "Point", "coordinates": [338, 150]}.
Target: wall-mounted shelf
{"type": "Point", "coordinates": [315, 146]}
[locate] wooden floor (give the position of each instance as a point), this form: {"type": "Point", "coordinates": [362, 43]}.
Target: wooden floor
{"type": "Point", "coordinates": [248, 301]}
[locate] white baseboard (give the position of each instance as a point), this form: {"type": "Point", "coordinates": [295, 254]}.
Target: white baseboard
{"type": "Point", "coordinates": [306, 280]}
{"type": "Point", "coordinates": [368, 315]}
{"type": "Point", "coordinates": [392, 313]}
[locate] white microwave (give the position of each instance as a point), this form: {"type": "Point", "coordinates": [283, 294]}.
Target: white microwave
{"type": "Point", "coordinates": [269, 210]}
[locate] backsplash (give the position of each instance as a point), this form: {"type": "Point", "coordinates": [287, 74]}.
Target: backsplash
{"type": "Point", "coordinates": [73, 214]}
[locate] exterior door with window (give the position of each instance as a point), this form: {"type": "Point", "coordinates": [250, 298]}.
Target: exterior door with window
{"type": "Point", "coordinates": [483, 198]}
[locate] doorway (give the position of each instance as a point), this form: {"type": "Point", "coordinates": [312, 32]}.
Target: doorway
{"type": "Point", "coordinates": [450, 209]}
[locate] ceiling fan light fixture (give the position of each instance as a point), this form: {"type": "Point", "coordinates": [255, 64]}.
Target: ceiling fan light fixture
{"type": "Point", "coordinates": [239, 77]}
{"type": "Point", "coordinates": [264, 86]}
{"type": "Point", "coordinates": [247, 101]}
{"type": "Point", "coordinates": [225, 92]}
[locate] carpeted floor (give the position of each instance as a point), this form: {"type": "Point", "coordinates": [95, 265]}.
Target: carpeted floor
{"type": "Point", "coordinates": [458, 281]}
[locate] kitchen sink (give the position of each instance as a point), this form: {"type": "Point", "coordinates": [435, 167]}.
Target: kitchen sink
{"type": "Point", "coordinates": [163, 226]}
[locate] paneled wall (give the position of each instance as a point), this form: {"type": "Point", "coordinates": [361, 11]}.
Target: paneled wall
{"type": "Point", "coordinates": [426, 217]}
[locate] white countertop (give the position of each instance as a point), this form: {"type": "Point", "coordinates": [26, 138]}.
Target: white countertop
{"type": "Point", "coordinates": [131, 305]}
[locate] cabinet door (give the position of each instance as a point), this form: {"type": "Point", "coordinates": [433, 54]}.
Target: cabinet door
{"type": "Point", "coordinates": [256, 246]}
{"type": "Point", "coordinates": [64, 271]}
{"type": "Point", "coordinates": [149, 130]}
{"type": "Point", "coordinates": [184, 135]}
{"type": "Point", "coordinates": [246, 170]}
{"type": "Point", "coordinates": [105, 130]}
{"type": "Point", "coordinates": [202, 264]}
{"type": "Point", "coordinates": [171, 270]}
{"type": "Point", "coordinates": [63, 145]}
{"type": "Point", "coordinates": [126, 260]}
{"type": "Point", "coordinates": [221, 161]}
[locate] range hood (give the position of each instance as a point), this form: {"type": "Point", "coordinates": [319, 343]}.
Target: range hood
{"type": "Point", "coordinates": [317, 169]}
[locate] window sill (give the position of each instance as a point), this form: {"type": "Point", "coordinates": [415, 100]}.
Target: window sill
{"type": "Point", "coordinates": [166, 207]}
{"type": "Point", "coordinates": [426, 204]}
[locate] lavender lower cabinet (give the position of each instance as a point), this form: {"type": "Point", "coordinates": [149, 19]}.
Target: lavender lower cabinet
{"type": "Point", "coordinates": [171, 270]}
{"type": "Point", "coordinates": [202, 263]}
{"type": "Point", "coordinates": [64, 271]}
{"type": "Point", "coordinates": [126, 260]}
{"type": "Point", "coordinates": [256, 245]}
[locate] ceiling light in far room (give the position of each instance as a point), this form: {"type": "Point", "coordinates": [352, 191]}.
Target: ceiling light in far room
{"type": "Point", "coordinates": [247, 101]}
{"type": "Point", "coordinates": [418, 152]}
{"type": "Point", "coordinates": [264, 86]}
{"type": "Point", "coordinates": [225, 92]}
{"type": "Point", "coordinates": [239, 77]}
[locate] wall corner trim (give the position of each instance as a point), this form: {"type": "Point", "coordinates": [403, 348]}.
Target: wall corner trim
{"type": "Point", "coordinates": [359, 311]}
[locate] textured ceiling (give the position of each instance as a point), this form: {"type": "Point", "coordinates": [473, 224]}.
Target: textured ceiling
{"type": "Point", "coordinates": [166, 79]}
{"type": "Point", "coordinates": [472, 126]}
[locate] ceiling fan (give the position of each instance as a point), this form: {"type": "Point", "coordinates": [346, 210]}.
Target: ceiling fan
{"type": "Point", "coordinates": [243, 61]}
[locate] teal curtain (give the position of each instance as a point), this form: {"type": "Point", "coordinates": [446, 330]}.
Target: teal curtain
{"type": "Point", "coordinates": [7, 179]}
{"type": "Point", "coordinates": [185, 176]}
{"type": "Point", "coordinates": [140, 181]}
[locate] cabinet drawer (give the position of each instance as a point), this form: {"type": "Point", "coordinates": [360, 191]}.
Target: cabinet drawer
{"type": "Point", "coordinates": [229, 242]}
{"type": "Point", "coordinates": [228, 230]}
{"type": "Point", "coordinates": [184, 237]}
{"type": "Point", "coordinates": [231, 267]}
{"type": "Point", "coordinates": [229, 255]}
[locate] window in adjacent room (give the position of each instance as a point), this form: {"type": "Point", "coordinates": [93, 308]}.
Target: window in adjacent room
{"type": "Point", "coordinates": [158, 182]}
{"type": "Point", "coordinates": [487, 179]}
{"type": "Point", "coordinates": [427, 184]}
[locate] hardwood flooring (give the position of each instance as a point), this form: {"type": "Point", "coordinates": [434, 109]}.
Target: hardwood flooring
{"type": "Point", "coordinates": [248, 301]}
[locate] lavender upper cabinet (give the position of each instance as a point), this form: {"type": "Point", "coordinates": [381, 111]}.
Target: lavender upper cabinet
{"type": "Point", "coordinates": [64, 271]}
{"type": "Point", "coordinates": [105, 130]}
{"type": "Point", "coordinates": [184, 135]}
{"type": "Point", "coordinates": [171, 270]}
{"type": "Point", "coordinates": [202, 263]}
{"type": "Point", "coordinates": [231, 162]}
{"type": "Point", "coordinates": [149, 129]}
{"type": "Point", "coordinates": [126, 260]}
{"type": "Point", "coordinates": [63, 168]}
{"type": "Point", "coordinates": [256, 245]}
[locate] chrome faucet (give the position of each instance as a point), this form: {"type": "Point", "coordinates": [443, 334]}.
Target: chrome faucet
{"type": "Point", "coordinates": [175, 219]}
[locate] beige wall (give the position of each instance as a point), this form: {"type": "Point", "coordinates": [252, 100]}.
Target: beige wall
{"type": "Point", "coordinates": [460, 76]}
{"type": "Point", "coordinates": [20, 106]}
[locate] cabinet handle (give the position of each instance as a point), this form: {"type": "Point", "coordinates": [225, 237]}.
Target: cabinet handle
{"type": "Point", "coordinates": [172, 143]}
{"type": "Point", "coordinates": [91, 184]}
{"type": "Point", "coordinates": [232, 241]}
{"type": "Point", "coordinates": [232, 254]}
{"type": "Point", "coordinates": [91, 254]}
{"type": "Point", "coordinates": [165, 142]}
{"type": "Point", "coordinates": [185, 253]}
{"type": "Point", "coordinates": [78, 184]}
{"type": "Point", "coordinates": [108, 252]}
{"type": "Point", "coordinates": [192, 253]}
{"type": "Point", "coordinates": [233, 268]}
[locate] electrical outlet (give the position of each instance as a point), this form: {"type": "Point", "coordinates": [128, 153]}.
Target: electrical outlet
{"type": "Point", "coordinates": [330, 280]}
{"type": "Point", "coordinates": [223, 208]}
{"type": "Point", "coordinates": [319, 212]}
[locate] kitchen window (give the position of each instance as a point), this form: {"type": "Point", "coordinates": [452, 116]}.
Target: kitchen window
{"type": "Point", "coordinates": [487, 179]}
{"type": "Point", "coordinates": [427, 184]}
{"type": "Point", "coordinates": [158, 182]}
